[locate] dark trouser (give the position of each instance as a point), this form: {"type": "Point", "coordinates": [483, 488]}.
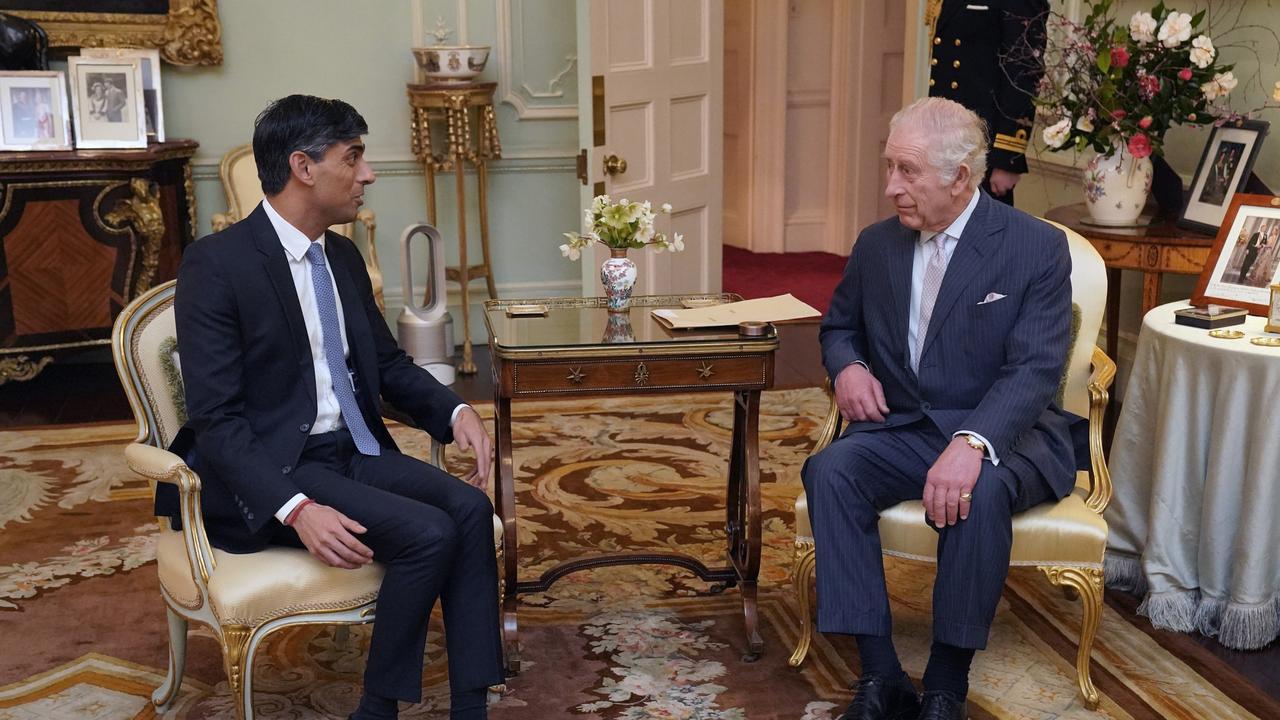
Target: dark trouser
{"type": "Point", "coordinates": [861, 474]}
{"type": "Point", "coordinates": [434, 534]}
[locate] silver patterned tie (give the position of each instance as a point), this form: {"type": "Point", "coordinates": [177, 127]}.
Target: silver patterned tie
{"type": "Point", "coordinates": [933, 273]}
{"type": "Point", "coordinates": [327, 307]}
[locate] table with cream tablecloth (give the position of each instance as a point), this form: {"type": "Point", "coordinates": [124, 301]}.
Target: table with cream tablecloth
{"type": "Point", "coordinates": [1195, 522]}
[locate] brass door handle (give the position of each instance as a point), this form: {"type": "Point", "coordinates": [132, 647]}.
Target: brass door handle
{"type": "Point", "coordinates": [614, 165]}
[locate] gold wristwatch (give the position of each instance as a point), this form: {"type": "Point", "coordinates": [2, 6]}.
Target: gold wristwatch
{"type": "Point", "coordinates": [973, 442]}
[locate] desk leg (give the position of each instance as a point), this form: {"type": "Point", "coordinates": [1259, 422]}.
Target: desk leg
{"type": "Point", "coordinates": [505, 495]}
{"type": "Point", "coordinates": [468, 365]}
{"type": "Point", "coordinates": [1151, 282]}
{"type": "Point", "coordinates": [742, 524]}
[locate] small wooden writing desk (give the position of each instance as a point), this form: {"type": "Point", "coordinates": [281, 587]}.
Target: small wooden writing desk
{"type": "Point", "coordinates": [578, 348]}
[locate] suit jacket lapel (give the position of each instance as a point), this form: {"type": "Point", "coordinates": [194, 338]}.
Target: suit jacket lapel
{"type": "Point", "coordinates": [980, 236]}
{"type": "Point", "coordinates": [900, 262]}
{"type": "Point", "coordinates": [276, 265]}
{"type": "Point", "coordinates": [359, 335]}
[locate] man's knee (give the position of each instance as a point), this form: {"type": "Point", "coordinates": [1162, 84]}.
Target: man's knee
{"type": "Point", "coordinates": [471, 506]}
{"type": "Point", "coordinates": [991, 497]}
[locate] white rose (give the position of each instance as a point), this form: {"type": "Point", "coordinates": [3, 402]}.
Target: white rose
{"type": "Point", "coordinates": [1084, 124]}
{"type": "Point", "coordinates": [1055, 136]}
{"type": "Point", "coordinates": [1142, 28]}
{"type": "Point", "coordinates": [1219, 86]}
{"type": "Point", "coordinates": [1202, 52]}
{"type": "Point", "coordinates": [1175, 30]}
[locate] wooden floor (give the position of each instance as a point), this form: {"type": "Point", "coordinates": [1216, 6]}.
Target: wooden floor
{"type": "Point", "coordinates": [84, 392]}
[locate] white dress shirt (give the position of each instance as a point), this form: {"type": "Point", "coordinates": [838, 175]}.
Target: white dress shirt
{"type": "Point", "coordinates": [328, 412]}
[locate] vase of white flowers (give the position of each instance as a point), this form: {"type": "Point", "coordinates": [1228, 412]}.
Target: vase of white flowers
{"type": "Point", "coordinates": [620, 226]}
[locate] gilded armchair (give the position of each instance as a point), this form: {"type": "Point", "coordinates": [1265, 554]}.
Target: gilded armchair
{"type": "Point", "coordinates": [241, 598]}
{"type": "Point", "coordinates": [1065, 540]}
{"type": "Point", "coordinates": [240, 183]}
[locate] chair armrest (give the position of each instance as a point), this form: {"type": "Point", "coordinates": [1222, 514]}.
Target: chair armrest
{"type": "Point", "coordinates": [1104, 373]}
{"type": "Point", "coordinates": [370, 222]}
{"type": "Point", "coordinates": [164, 466]}
{"type": "Point", "coordinates": [391, 412]}
{"type": "Point", "coordinates": [831, 423]}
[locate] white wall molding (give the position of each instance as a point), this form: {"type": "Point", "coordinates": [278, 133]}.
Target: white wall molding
{"type": "Point", "coordinates": [1059, 170]}
{"type": "Point", "coordinates": [206, 169]}
{"type": "Point", "coordinates": [519, 92]}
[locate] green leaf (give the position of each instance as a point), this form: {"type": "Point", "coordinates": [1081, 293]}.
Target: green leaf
{"type": "Point", "coordinates": [1104, 59]}
{"type": "Point", "coordinates": [1195, 20]}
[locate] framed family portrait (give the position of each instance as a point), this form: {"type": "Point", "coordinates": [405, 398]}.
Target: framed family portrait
{"type": "Point", "coordinates": [107, 102]}
{"type": "Point", "coordinates": [1224, 169]}
{"type": "Point", "coordinates": [153, 107]}
{"type": "Point", "coordinates": [33, 111]}
{"type": "Point", "coordinates": [1245, 259]}
{"type": "Point", "coordinates": [1273, 311]}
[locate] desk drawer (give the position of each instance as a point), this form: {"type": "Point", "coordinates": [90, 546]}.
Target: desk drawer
{"type": "Point", "coordinates": [640, 375]}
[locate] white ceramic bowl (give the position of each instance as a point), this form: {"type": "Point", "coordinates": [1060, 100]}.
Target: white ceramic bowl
{"type": "Point", "coordinates": [451, 63]}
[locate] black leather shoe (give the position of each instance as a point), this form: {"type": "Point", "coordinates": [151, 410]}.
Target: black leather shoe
{"type": "Point", "coordinates": [942, 706]}
{"type": "Point", "coordinates": [879, 698]}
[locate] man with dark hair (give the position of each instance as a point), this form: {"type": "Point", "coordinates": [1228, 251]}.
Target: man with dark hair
{"type": "Point", "coordinates": [285, 357]}
{"type": "Point", "coordinates": [945, 343]}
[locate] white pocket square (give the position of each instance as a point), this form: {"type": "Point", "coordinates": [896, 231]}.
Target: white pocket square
{"type": "Point", "coordinates": [991, 297]}
{"type": "Point", "coordinates": [977, 7]}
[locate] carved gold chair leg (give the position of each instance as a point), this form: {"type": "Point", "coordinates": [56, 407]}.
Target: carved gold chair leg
{"type": "Point", "coordinates": [235, 640]}
{"type": "Point", "coordinates": [1088, 583]}
{"type": "Point", "coordinates": [802, 581]}
{"type": "Point", "coordinates": [168, 690]}
{"type": "Point", "coordinates": [366, 218]}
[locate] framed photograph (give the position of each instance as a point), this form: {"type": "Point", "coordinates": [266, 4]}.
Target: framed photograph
{"type": "Point", "coordinates": [1224, 169]}
{"type": "Point", "coordinates": [151, 97]}
{"type": "Point", "coordinates": [1245, 259]}
{"type": "Point", "coordinates": [33, 111]}
{"type": "Point", "coordinates": [187, 32]}
{"type": "Point", "coordinates": [107, 102]}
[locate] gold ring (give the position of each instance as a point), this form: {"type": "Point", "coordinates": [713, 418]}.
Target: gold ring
{"type": "Point", "coordinates": [966, 496]}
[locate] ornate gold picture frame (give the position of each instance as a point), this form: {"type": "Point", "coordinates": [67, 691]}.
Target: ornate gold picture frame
{"type": "Point", "coordinates": [1273, 311]}
{"type": "Point", "coordinates": [186, 32]}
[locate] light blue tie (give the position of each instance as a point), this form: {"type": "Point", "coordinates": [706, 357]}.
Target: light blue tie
{"type": "Point", "coordinates": [340, 379]}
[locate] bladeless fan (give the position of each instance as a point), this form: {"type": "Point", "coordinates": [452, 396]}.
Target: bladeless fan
{"type": "Point", "coordinates": [426, 331]}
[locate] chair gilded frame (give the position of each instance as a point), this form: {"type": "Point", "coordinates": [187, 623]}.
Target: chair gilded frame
{"type": "Point", "coordinates": [1089, 375]}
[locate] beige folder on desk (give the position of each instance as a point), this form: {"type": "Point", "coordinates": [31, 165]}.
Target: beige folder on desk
{"type": "Point", "coordinates": [773, 309]}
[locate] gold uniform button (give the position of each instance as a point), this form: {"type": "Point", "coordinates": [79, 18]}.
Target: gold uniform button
{"type": "Point", "coordinates": [932, 82]}
{"type": "Point", "coordinates": [933, 61]}
{"type": "Point", "coordinates": [955, 64]}
{"type": "Point", "coordinates": [957, 42]}
{"type": "Point", "coordinates": [937, 41]}
{"type": "Point", "coordinates": [954, 84]}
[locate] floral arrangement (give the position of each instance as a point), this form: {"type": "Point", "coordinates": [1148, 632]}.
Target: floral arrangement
{"type": "Point", "coordinates": [620, 225]}
{"type": "Point", "coordinates": [1109, 85]}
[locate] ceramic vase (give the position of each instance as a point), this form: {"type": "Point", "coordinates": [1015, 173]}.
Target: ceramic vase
{"type": "Point", "coordinates": [618, 274]}
{"type": "Point", "coordinates": [1116, 186]}
{"type": "Point", "coordinates": [618, 329]}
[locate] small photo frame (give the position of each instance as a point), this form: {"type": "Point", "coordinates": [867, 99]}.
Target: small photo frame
{"type": "Point", "coordinates": [1224, 169]}
{"type": "Point", "coordinates": [107, 102]}
{"type": "Point", "coordinates": [1244, 261]}
{"type": "Point", "coordinates": [1273, 311]}
{"type": "Point", "coordinates": [33, 111]}
{"type": "Point", "coordinates": [152, 100]}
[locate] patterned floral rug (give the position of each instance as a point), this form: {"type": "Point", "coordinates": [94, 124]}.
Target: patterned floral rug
{"type": "Point", "coordinates": [82, 631]}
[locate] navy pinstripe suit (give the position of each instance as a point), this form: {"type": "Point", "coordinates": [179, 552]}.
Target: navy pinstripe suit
{"type": "Point", "coordinates": [991, 368]}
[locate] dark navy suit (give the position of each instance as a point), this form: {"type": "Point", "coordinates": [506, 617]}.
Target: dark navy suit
{"type": "Point", "coordinates": [250, 389]}
{"type": "Point", "coordinates": [992, 368]}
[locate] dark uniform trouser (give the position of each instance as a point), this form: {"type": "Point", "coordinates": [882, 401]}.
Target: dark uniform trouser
{"type": "Point", "coordinates": [434, 534]}
{"type": "Point", "coordinates": [863, 473]}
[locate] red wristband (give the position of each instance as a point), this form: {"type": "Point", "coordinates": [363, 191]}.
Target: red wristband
{"type": "Point", "coordinates": [298, 510]}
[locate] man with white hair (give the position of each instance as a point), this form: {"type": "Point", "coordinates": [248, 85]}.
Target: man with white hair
{"type": "Point", "coordinates": [945, 342]}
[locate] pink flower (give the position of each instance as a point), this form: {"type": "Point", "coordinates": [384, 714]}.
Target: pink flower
{"type": "Point", "coordinates": [1148, 86]}
{"type": "Point", "coordinates": [1184, 74]}
{"type": "Point", "coordinates": [1119, 57]}
{"type": "Point", "coordinates": [1191, 117]}
{"type": "Point", "coordinates": [1118, 114]}
{"type": "Point", "coordinates": [1145, 122]}
{"type": "Point", "coordinates": [1140, 145]}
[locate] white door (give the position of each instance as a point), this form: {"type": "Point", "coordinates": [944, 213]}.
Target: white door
{"type": "Point", "coordinates": [651, 95]}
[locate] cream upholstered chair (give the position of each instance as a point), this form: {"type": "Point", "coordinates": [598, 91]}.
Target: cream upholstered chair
{"type": "Point", "coordinates": [241, 598]}
{"type": "Point", "coordinates": [1065, 540]}
{"type": "Point", "coordinates": [240, 182]}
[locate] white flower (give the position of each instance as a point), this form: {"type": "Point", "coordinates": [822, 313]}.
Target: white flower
{"type": "Point", "coordinates": [570, 252]}
{"type": "Point", "coordinates": [1055, 136]}
{"type": "Point", "coordinates": [1084, 124]}
{"type": "Point", "coordinates": [1202, 52]}
{"type": "Point", "coordinates": [1142, 28]}
{"type": "Point", "coordinates": [677, 244]}
{"type": "Point", "coordinates": [1219, 86]}
{"type": "Point", "coordinates": [666, 207]}
{"type": "Point", "coordinates": [1175, 30]}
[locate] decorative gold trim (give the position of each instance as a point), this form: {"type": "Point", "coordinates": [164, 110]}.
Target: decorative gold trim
{"type": "Point", "coordinates": [705, 370]}
{"type": "Point", "coordinates": [802, 575]}
{"type": "Point", "coordinates": [1088, 583]}
{"type": "Point", "coordinates": [235, 641]}
{"type": "Point", "coordinates": [576, 376]}
{"type": "Point", "coordinates": [1011, 143]}
{"type": "Point", "coordinates": [21, 368]}
{"type": "Point", "coordinates": [1104, 372]}
{"type": "Point", "coordinates": [142, 211]}
{"type": "Point", "coordinates": [642, 374]}
{"type": "Point", "coordinates": [190, 34]}
{"type": "Point", "coordinates": [189, 187]}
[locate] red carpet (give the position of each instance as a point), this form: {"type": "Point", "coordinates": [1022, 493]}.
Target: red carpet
{"type": "Point", "coordinates": [810, 276]}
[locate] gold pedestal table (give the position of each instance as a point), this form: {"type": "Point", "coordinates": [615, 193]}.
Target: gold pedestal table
{"type": "Point", "coordinates": [458, 120]}
{"type": "Point", "coordinates": [576, 348]}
